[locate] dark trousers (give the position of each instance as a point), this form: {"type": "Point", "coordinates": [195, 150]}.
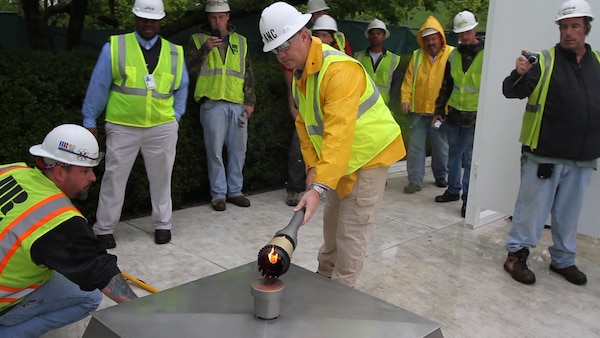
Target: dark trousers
{"type": "Point", "coordinates": [296, 181]}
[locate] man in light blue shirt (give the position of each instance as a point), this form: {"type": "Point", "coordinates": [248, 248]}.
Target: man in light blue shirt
{"type": "Point", "coordinates": [141, 81]}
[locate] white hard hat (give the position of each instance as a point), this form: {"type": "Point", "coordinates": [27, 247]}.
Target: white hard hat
{"type": "Point", "coordinates": [464, 21]}
{"type": "Point", "coordinates": [149, 9]}
{"type": "Point", "coordinates": [279, 22]}
{"type": "Point", "coordinates": [217, 6]}
{"type": "Point", "coordinates": [428, 32]}
{"type": "Point", "coordinates": [325, 23]}
{"type": "Point", "coordinates": [574, 9]}
{"type": "Point", "coordinates": [376, 23]}
{"type": "Point", "coordinates": [315, 6]}
{"type": "Point", "coordinates": [69, 144]}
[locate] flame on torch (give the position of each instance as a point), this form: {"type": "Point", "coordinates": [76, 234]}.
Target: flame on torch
{"type": "Point", "coordinates": [273, 257]}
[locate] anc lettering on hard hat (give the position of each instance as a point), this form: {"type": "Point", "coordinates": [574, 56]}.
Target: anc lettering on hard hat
{"type": "Point", "coordinates": [270, 35]}
{"type": "Point", "coordinates": [14, 194]}
{"type": "Point", "coordinates": [149, 7]}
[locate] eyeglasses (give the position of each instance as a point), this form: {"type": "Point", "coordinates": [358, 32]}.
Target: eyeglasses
{"type": "Point", "coordinates": [284, 46]}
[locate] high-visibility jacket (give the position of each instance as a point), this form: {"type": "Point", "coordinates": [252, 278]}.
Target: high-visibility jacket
{"type": "Point", "coordinates": [30, 206]}
{"type": "Point", "coordinates": [430, 76]}
{"type": "Point", "coordinates": [375, 126]}
{"type": "Point", "coordinates": [384, 72]}
{"type": "Point", "coordinates": [465, 94]}
{"type": "Point", "coordinates": [534, 110]}
{"type": "Point", "coordinates": [130, 102]}
{"type": "Point", "coordinates": [218, 80]}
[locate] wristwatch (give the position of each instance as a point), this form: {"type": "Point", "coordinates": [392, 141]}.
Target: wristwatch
{"type": "Point", "coordinates": [319, 189]}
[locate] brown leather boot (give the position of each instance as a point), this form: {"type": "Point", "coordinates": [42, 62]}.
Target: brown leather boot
{"type": "Point", "coordinates": [516, 265]}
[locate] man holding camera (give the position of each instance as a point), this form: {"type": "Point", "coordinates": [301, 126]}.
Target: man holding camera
{"type": "Point", "coordinates": [560, 139]}
{"type": "Point", "coordinates": [219, 57]}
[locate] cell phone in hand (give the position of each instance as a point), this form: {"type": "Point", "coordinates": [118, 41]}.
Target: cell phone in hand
{"type": "Point", "coordinates": [215, 32]}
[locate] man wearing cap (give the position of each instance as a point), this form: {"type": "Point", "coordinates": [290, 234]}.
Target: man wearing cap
{"type": "Point", "coordinates": [53, 269]}
{"type": "Point", "coordinates": [219, 57]}
{"type": "Point", "coordinates": [347, 134]}
{"type": "Point", "coordinates": [460, 92]}
{"type": "Point", "coordinates": [318, 8]}
{"type": "Point", "coordinates": [420, 88]}
{"type": "Point", "coordinates": [141, 81]}
{"type": "Point", "coordinates": [381, 64]}
{"type": "Point", "coordinates": [560, 138]}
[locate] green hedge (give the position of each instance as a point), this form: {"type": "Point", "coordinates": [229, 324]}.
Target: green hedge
{"type": "Point", "coordinates": [43, 89]}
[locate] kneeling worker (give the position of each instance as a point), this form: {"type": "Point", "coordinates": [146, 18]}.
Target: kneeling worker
{"type": "Point", "coordinates": [52, 266]}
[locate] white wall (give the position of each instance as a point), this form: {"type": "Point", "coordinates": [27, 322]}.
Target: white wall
{"type": "Point", "coordinates": [514, 25]}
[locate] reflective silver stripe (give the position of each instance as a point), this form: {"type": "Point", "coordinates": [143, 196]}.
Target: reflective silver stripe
{"type": "Point", "coordinates": [534, 108]}
{"type": "Point", "coordinates": [204, 71]}
{"type": "Point", "coordinates": [466, 89]}
{"type": "Point", "coordinates": [121, 88]}
{"type": "Point", "coordinates": [362, 108]}
{"type": "Point", "coordinates": [17, 295]}
{"type": "Point", "coordinates": [370, 101]}
{"type": "Point", "coordinates": [318, 128]}
{"type": "Point", "coordinates": [388, 82]}
{"type": "Point", "coordinates": [10, 236]}
{"type": "Point", "coordinates": [416, 64]}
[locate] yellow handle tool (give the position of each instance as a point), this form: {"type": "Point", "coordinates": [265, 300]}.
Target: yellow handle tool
{"type": "Point", "coordinates": [139, 282]}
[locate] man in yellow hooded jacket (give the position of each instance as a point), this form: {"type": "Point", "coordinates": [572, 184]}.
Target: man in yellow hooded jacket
{"type": "Point", "coordinates": [420, 88]}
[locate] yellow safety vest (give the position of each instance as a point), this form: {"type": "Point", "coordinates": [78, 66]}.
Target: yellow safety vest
{"type": "Point", "coordinates": [384, 73]}
{"type": "Point", "coordinates": [534, 110]}
{"type": "Point", "coordinates": [130, 103]}
{"type": "Point", "coordinates": [375, 126]}
{"type": "Point", "coordinates": [218, 80]}
{"type": "Point", "coordinates": [31, 205]}
{"type": "Point", "coordinates": [465, 94]}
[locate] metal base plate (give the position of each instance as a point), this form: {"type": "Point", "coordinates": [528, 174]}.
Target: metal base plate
{"type": "Point", "coordinates": [221, 305]}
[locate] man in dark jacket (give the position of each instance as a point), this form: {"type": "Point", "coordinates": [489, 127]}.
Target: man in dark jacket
{"type": "Point", "coordinates": [561, 143]}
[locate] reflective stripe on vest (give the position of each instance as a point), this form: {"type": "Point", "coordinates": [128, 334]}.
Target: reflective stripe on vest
{"type": "Point", "coordinates": [25, 217]}
{"type": "Point", "coordinates": [340, 39]}
{"type": "Point", "coordinates": [386, 63]}
{"type": "Point", "coordinates": [218, 80]}
{"type": "Point", "coordinates": [534, 110]}
{"type": "Point", "coordinates": [375, 126]}
{"type": "Point", "coordinates": [465, 94]}
{"type": "Point", "coordinates": [130, 102]}
{"type": "Point", "coordinates": [122, 87]}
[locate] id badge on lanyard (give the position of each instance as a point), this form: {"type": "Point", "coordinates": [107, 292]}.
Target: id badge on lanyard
{"type": "Point", "coordinates": [149, 80]}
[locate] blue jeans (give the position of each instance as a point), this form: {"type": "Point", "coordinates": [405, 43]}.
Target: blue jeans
{"type": "Point", "coordinates": [460, 152]}
{"type": "Point", "coordinates": [224, 124]}
{"type": "Point", "coordinates": [561, 195]}
{"type": "Point", "coordinates": [57, 303]}
{"type": "Point", "coordinates": [420, 126]}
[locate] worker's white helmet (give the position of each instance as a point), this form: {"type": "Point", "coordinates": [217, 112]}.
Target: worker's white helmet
{"type": "Point", "coordinates": [315, 6]}
{"type": "Point", "coordinates": [325, 23]}
{"type": "Point", "coordinates": [149, 9]}
{"type": "Point", "coordinates": [279, 22]}
{"type": "Point", "coordinates": [217, 6]}
{"type": "Point", "coordinates": [464, 21]}
{"type": "Point", "coordinates": [69, 144]}
{"type": "Point", "coordinates": [574, 9]}
{"type": "Point", "coordinates": [376, 23]}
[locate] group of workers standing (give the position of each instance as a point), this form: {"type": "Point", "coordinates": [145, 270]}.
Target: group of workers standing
{"type": "Point", "coordinates": [346, 139]}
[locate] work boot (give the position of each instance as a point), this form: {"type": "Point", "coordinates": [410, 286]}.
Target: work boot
{"type": "Point", "coordinates": [571, 273]}
{"type": "Point", "coordinates": [516, 265]}
{"type": "Point", "coordinates": [412, 188]}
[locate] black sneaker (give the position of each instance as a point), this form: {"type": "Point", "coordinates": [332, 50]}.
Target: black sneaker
{"type": "Point", "coordinates": [447, 197]}
{"type": "Point", "coordinates": [516, 265]}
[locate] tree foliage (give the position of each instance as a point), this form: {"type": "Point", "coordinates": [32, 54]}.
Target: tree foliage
{"type": "Point", "coordinates": [182, 14]}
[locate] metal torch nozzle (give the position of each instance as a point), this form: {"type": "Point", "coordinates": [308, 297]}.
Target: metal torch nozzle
{"type": "Point", "coordinates": [274, 259]}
